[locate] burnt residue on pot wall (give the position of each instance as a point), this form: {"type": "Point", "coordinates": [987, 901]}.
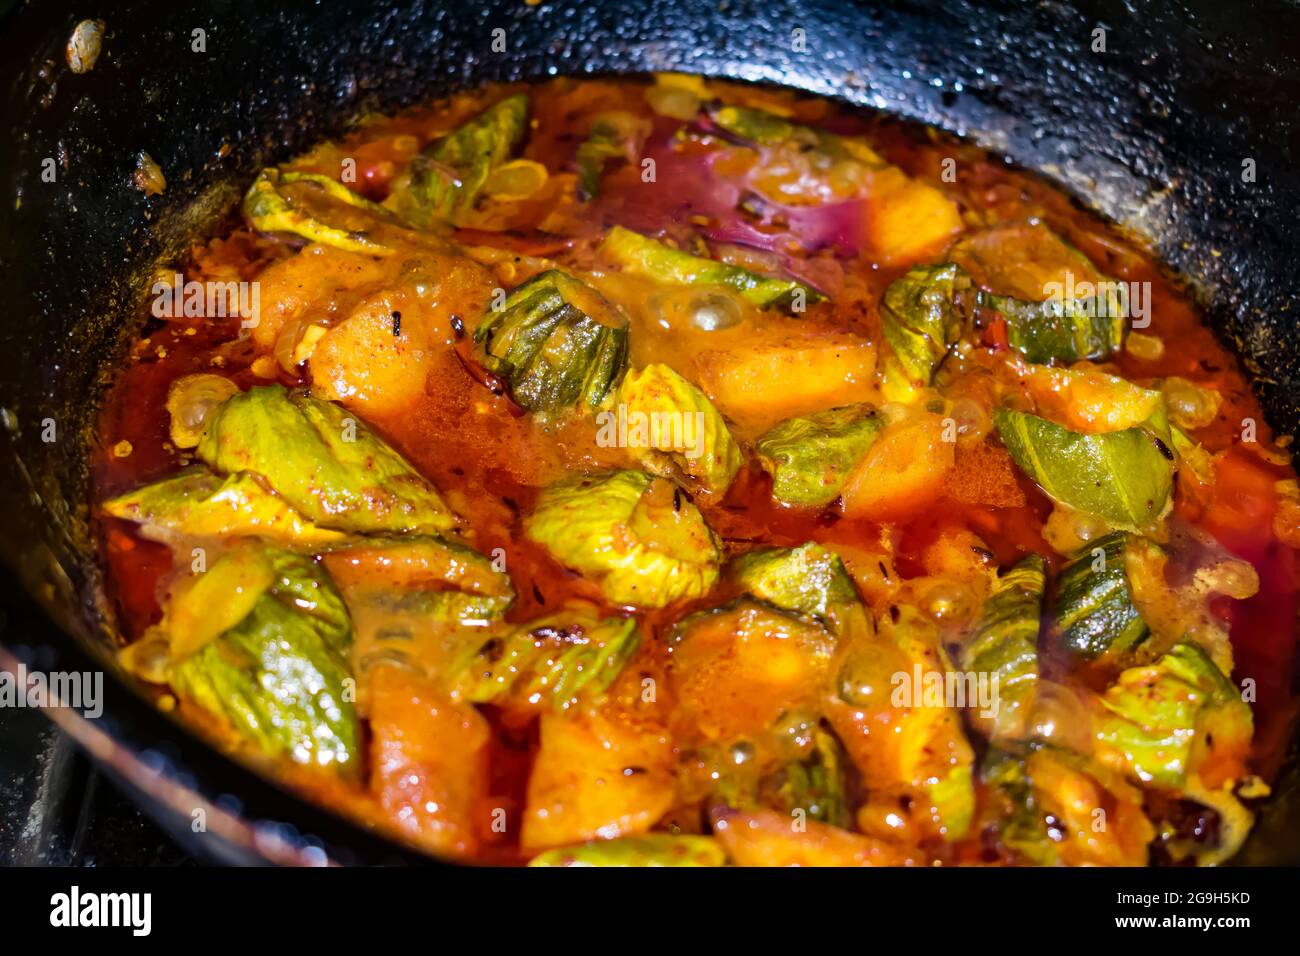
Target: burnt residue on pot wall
{"type": "Point", "coordinates": [1150, 114]}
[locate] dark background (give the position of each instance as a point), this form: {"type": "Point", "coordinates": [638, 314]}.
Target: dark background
{"type": "Point", "coordinates": [57, 810]}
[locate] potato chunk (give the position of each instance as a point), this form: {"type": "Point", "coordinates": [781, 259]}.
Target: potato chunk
{"type": "Point", "coordinates": [907, 220]}
{"type": "Point", "coordinates": [367, 328]}
{"type": "Point", "coordinates": [428, 760]}
{"type": "Point", "coordinates": [598, 775]}
{"type": "Point", "coordinates": [902, 472]}
{"type": "Point", "coordinates": [761, 383]}
{"type": "Point", "coordinates": [308, 285]}
{"type": "Point", "coordinates": [737, 668]}
{"type": "Point", "coordinates": [363, 363]}
{"type": "Point", "coordinates": [768, 838]}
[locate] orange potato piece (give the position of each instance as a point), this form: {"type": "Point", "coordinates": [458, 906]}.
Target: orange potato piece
{"type": "Point", "coordinates": [736, 671]}
{"type": "Point", "coordinates": [764, 382]}
{"type": "Point", "coordinates": [368, 327]}
{"type": "Point", "coordinates": [597, 776]}
{"type": "Point", "coordinates": [361, 363]}
{"type": "Point", "coordinates": [902, 472]}
{"type": "Point", "coordinates": [308, 285]}
{"type": "Point", "coordinates": [768, 838]}
{"type": "Point", "coordinates": [428, 760]}
{"type": "Point", "coordinates": [377, 363]}
{"type": "Point", "coordinates": [1086, 400]}
{"type": "Point", "coordinates": [907, 220]}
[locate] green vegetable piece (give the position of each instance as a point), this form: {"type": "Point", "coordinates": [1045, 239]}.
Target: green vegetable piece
{"type": "Point", "coordinates": [268, 207]}
{"type": "Point", "coordinates": [651, 849]}
{"type": "Point", "coordinates": [1192, 455]}
{"type": "Point", "coordinates": [1064, 330]}
{"type": "Point", "coordinates": [1162, 717]}
{"type": "Point", "coordinates": [644, 542]}
{"type": "Point", "coordinates": [1043, 801]}
{"type": "Point", "coordinates": [557, 341]}
{"type": "Point", "coordinates": [323, 461]}
{"type": "Point", "coordinates": [1056, 304]}
{"type": "Point", "coordinates": [813, 784]}
{"type": "Point", "coordinates": [641, 255]}
{"type": "Point", "coordinates": [919, 318]}
{"type": "Point", "coordinates": [1124, 477]}
{"type": "Point", "coordinates": [562, 658]}
{"type": "Point", "coordinates": [808, 580]}
{"type": "Point", "coordinates": [756, 126]}
{"type": "Point", "coordinates": [673, 430]}
{"type": "Point", "coordinates": [811, 457]}
{"type": "Point", "coordinates": [1092, 603]}
{"type": "Point", "coordinates": [448, 175]}
{"type": "Point", "coordinates": [196, 504]}
{"type": "Point", "coordinates": [953, 797]}
{"type": "Point", "coordinates": [1005, 643]}
{"type": "Point", "coordinates": [767, 129]}
{"type": "Point", "coordinates": [424, 576]}
{"type": "Point", "coordinates": [278, 675]}
{"type": "Point", "coordinates": [613, 137]}
{"type": "Point", "coordinates": [1021, 825]}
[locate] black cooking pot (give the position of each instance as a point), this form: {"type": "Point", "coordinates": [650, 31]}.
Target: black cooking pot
{"type": "Point", "coordinates": [1154, 116]}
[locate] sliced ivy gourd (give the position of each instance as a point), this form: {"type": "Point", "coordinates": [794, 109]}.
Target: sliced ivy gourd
{"type": "Point", "coordinates": [1058, 330]}
{"type": "Point", "coordinates": [640, 538]}
{"type": "Point", "coordinates": [642, 255]}
{"type": "Point", "coordinates": [1056, 305]}
{"type": "Point", "coordinates": [613, 137]}
{"type": "Point", "coordinates": [422, 576]}
{"type": "Point", "coordinates": [555, 660]}
{"type": "Point", "coordinates": [1005, 644]}
{"type": "Point", "coordinates": [1043, 803]}
{"type": "Point", "coordinates": [1093, 613]}
{"type": "Point", "coordinates": [813, 785]}
{"type": "Point", "coordinates": [920, 317]}
{"type": "Point", "coordinates": [1177, 717]}
{"type": "Point", "coordinates": [448, 175]}
{"type": "Point", "coordinates": [196, 504]}
{"type": "Point", "coordinates": [1123, 477]}
{"type": "Point", "coordinates": [684, 434]}
{"type": "Point", "coordinates": [809, 579]}
{"type": "Point", "coordinates": [278, 673]}
{"type": "Point", "coordinates": [269, 207]}
{"type": "Point", "coordinates": [323, 461]}
{"type": "Point", "coordinates": [811, 457]}
{"type": "Point", "coordinates": [558, 343]}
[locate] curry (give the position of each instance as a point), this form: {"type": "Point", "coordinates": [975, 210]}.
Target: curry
{"type": "Point", "coordinates": [673, 472]}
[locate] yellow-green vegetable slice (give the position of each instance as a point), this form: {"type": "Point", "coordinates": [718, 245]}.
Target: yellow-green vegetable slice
{"type": "Point", "coordinates": [674, 430]}
{"type": "Point", "coordinates": [279, 675]}
{"type": "Point", "coordinates": [811, 457]}
{"type": "Point", "coordinates": [1123, 477]}
{"type": "Point", "coordinates": [651, 849]}
{"type": "Point", "coordinates": [324, 461]}
{"type": "Point", "coordinates": [446, 178]}
{"type": "Point", "coordinates": [642, 255]}
{"type": "Point", "coordinates": [639, 537]}
{"type": "Point", "coordinates": [1005, 644]}
{"type": "Point", "coordinates": [558, 343]}
{"type": "Point", "coordinates": [559, 659]}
